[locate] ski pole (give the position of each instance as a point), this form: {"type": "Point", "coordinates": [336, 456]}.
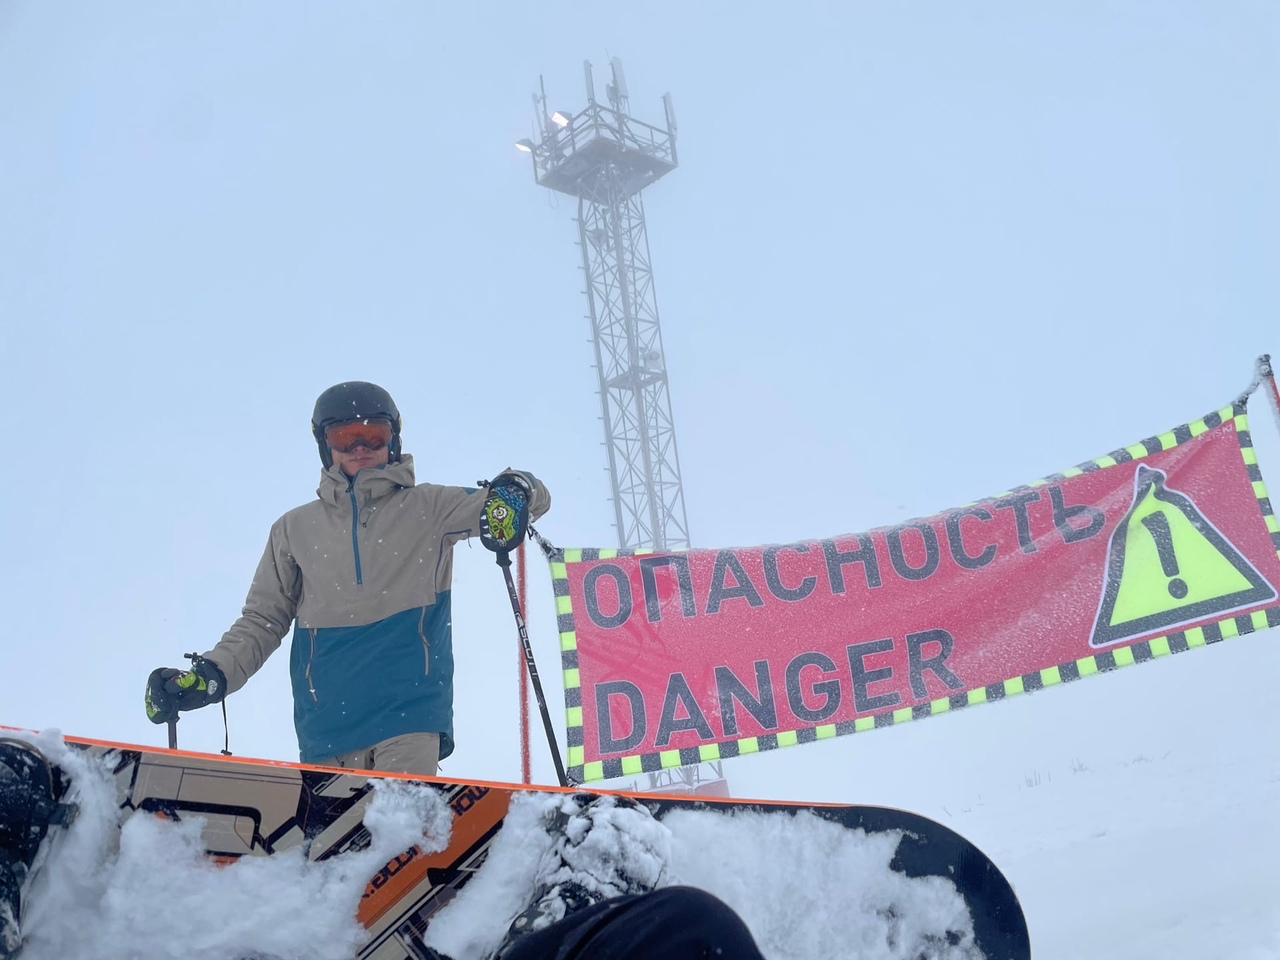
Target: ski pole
{"type": "Point", "coordinates": [504, 561]}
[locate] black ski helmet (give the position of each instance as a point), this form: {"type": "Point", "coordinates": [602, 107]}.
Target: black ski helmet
{"type": "Point", "coordinates": [351, 401]}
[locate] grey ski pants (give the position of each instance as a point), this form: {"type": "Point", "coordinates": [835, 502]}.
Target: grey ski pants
{"type": "Point", "coordinates": [416, 753]}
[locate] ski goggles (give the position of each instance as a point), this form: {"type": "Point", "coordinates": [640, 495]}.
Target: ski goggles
{"type": "Point", "coordinates": [345, 437]}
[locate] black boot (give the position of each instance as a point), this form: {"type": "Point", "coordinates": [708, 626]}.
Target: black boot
{"type": "Point", "coordinates": [31, 792]}
{"type": "Point", "coordinates": [12, 872]}
{"type": "Point", "coordinates": [603, 847]}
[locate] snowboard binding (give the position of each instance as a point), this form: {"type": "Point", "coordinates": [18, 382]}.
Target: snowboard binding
{"type": "Point", "coordinates": [32, 792]}
{"type": "Point", "coordinates": [588, 861]}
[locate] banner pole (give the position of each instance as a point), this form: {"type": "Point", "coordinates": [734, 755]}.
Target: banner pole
{"type": "Point", "coordinates": [526, 765]}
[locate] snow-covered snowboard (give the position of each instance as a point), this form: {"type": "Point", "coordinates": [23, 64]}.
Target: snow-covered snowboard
{"type": "Point", "coordinates": [254, 808]}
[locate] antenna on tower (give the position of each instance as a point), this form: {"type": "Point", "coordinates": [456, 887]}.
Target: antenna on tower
{"type": "Point", "coordinates": [617, 91]}
{"type": "Point", "coordinates": [540, 107]}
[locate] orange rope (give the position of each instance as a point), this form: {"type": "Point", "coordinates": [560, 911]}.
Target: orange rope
{"type": "Point", "coordinates": [526, 769]}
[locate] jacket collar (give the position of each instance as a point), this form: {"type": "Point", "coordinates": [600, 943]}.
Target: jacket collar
{"type": "Point", "coordinates": [335, 487]}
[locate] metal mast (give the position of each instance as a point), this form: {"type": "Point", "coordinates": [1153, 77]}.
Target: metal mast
{"type": "Point", "coordinates": [604, 158]}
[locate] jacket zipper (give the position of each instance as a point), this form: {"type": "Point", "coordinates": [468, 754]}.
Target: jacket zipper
{"type": "Point", "coordinates": [311, 684]}
{"type": "Point", "coordinates": [355, 540]}
{"type": "Point", "coordinates": [426, 648]}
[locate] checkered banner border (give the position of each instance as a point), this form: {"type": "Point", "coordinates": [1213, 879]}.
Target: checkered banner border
{"type": "Point", "coordinates": [580, 772]}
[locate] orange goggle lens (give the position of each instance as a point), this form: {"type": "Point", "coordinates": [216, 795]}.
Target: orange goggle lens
{"type": "Point", "coordinates": [345, 437]}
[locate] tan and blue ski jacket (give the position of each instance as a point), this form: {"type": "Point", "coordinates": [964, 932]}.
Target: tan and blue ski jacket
{"type": "Point", "coordinates": [363, 576]}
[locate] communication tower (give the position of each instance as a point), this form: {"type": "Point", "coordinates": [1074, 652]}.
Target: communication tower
{"type": "Point", "coordinates": [604, 157]}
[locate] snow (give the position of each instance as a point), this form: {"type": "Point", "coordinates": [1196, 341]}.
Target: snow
{"type": "Point", "coordinates": [822, 906]}
{"type": "Point", "coordinates": [836, 888]}
{"type": "Point", "coordinates": [1110, 874]}
{"type": "Point", "coordinates": [157, 896]}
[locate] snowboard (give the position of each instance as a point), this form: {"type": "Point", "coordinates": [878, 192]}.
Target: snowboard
{"type": "Point", "coordinates": [260, 808]}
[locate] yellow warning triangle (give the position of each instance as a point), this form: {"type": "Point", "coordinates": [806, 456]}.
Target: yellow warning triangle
{"type": "Point", "coordinates": [1167, 565]}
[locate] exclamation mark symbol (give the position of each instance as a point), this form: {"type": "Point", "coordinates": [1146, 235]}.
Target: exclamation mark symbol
{"type": "Point", "coordinates": [1158, 525]}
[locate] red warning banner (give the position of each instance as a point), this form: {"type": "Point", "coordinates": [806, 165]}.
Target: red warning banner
{"type": "Point", "coordinates": [674, 658]}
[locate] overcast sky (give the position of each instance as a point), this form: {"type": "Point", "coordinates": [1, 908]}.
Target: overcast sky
{"type": "Point", "coordinates": [925, 251]}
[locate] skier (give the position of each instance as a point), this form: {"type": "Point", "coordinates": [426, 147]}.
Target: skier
{"type": "Point", "coordinates": [363, 576]}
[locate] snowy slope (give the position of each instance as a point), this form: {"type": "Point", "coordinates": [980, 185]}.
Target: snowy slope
{"type": "Point", "coordinates": [1193, 875]}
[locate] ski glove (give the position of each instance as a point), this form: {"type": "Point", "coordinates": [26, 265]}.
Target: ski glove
{"type": "Point", "coordinates": [505, 517]}
{"type": "Point", "coordinates": [170, 690]}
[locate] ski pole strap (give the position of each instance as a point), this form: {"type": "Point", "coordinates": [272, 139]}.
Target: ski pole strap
{"type": "Point", "coordinates": [226, 731]}
{"type": "Point", "coordinates": [198, 661]}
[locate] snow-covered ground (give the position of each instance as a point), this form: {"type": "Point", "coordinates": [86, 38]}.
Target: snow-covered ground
{"type": "Point", "coordinates": [1153, 856]}
{"type": "Point", "coordinates": [1194, 873]}
{"type": "Point", "coordinates": [1140, 823]}
{"type": "Point", "coordinates": [1171, 849]}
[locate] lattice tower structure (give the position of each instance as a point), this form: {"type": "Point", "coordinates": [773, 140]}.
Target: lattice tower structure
{"type": "Point", "coordinates": [604, 158]}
